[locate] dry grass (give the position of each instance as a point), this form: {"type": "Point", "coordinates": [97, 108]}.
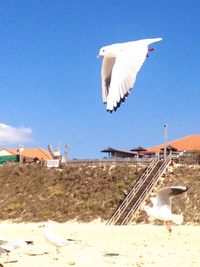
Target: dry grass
{"type": "Point", "coordinates": [35, 193]}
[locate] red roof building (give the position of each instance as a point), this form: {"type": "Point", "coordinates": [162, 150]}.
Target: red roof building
{"type": "Point", "coordinates": [188, 143]}
{"type": "Point", "coordinates": [30, 153]}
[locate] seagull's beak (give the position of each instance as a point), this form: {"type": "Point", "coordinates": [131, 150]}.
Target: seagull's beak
{"type": "Point", "coordinates": [98, 56]}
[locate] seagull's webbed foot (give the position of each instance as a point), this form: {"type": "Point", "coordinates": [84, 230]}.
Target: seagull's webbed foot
{"type": "Point", "coordinates": [168, 224]}
{"type": "Point", "coordinates": [57, 250]}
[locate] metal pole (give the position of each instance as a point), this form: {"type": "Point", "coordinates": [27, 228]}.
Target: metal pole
{"type": "Point", "coordinates": [21, 149]}
{"type": "Point", "coordinates": [165, 140]}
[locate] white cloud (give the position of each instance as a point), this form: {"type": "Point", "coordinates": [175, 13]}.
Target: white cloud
{"type": "Point", "coordinates": [12, 135]}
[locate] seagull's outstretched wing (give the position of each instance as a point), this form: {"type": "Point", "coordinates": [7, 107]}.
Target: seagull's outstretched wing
{"type": "Point", "coordinates": [126, 67]}
{"type": "Point", "coordinates": [119, 72]}
{"type": "Point", "coordinates": [106, 72]}
{"type": "Point", "coordinates": [165, 194]}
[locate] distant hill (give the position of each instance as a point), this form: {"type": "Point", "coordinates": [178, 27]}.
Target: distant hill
{"type": "Point", "coordinates": [35, 193]}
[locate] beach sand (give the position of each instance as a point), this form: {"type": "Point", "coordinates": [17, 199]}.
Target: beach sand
{"type": "Point", "coordinates": [140, 245]}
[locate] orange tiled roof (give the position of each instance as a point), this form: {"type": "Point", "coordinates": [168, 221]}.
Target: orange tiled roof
{"type": "Point", "coordinates": [31, 153]}
{"type": "Point", "coordinates": [36, 153]}
{"type": "Point", "coordinates": [188, 143]}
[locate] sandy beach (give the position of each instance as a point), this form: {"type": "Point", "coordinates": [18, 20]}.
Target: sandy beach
{"type": "Point", "coordinates": [138, 245]}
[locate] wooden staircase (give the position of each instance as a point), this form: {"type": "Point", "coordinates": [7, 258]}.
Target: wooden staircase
{"type": "Point", "coordinates": [140, 191]}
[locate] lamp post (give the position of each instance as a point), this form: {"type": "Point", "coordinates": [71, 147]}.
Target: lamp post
{"type": "Point", "coordinates": [21, 149]}
{"type": "Point", "coordinates": [165, 140]}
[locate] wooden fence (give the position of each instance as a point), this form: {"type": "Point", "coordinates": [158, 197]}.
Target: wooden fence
{"type": "Point", "coordinates": [108, 161]}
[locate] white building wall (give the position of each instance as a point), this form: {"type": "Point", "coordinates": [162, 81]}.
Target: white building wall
{"type": "Point", "coordinates": [4, 153]}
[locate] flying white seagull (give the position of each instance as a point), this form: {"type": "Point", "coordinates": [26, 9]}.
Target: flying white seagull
{"type": "Point", "coordinates": [56, 240]}
{"type": "Point", "coordinates": [121, 63]}
{"type": "Point", "coordinates": [161, 209]}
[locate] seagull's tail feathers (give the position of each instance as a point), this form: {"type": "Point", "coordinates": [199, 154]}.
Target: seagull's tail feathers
{"type": "Point", "coordinates": [177, 218]}
{"type": "Point", "coordinates": [73, 241]}
{"type": "Point", "coordinates": [29, 242]}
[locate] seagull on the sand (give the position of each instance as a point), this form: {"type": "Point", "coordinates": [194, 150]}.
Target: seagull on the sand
{"type": "Point", "coordinates": [161, 209]}
{"type": "Point", "coordinates": [9, 245]}
{"type": "Point", "coordinates": [56, 240]}
{"type": "Point", "coordinates": [121, 63]}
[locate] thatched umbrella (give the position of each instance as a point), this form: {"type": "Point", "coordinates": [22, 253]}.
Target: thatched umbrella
{"type": "Point", "coordinates": [108, 149]}
{"type": "Point", "coordinates": [138, 149]}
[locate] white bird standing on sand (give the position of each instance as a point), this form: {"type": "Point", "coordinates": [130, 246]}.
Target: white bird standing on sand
{"type": "Point", "coordinates": [55, 240]}
{"type": "Point", "coordinates": [9, 245]}
{"type": "Point", "coordinates": [161, 209]}
{"type": "Point", "coordinates": [120, 66]}
{"type": "Point", "coordinates": [6, 246]}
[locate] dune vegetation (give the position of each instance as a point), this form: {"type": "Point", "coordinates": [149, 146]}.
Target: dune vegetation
{"type": "Point", "coordinates": [36, 193]}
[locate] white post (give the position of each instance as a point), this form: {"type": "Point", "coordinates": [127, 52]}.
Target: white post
{"type": "Point", "coordinates": [165, 140]}
{"type": "Point", "coordinates": [21, 149]}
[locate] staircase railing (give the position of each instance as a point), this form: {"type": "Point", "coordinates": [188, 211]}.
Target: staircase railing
{"type": "Point", "coordinates": [147, 190]}
{"type": "Point", "coordinates": [134, 190]}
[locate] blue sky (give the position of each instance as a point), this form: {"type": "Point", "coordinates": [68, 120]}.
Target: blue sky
{"type": "Point", "coordinates": [50, 83]}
